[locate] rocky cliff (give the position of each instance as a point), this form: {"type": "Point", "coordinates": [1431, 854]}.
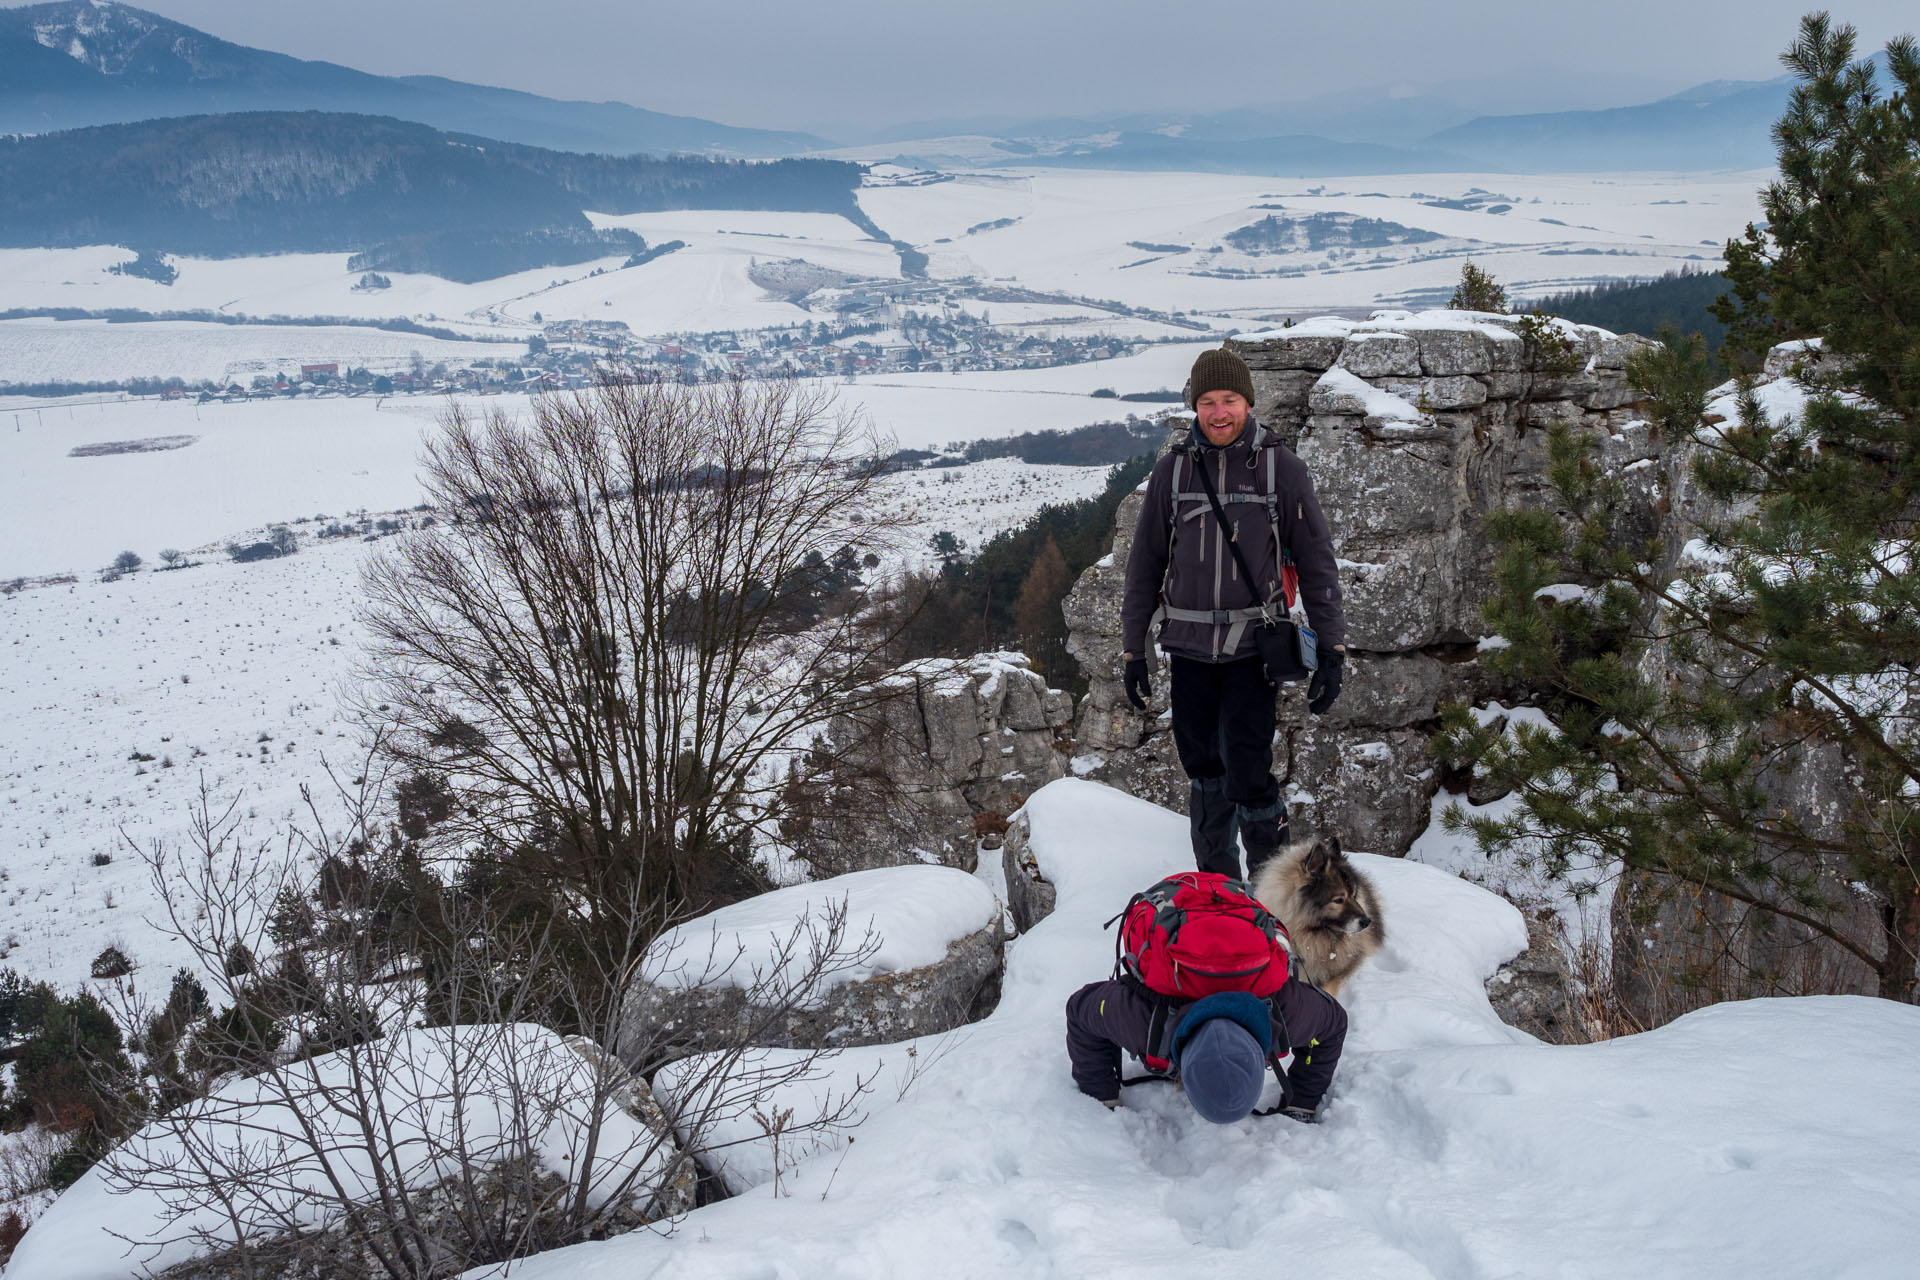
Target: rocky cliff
{"type": "Point", "coordinates": [1414, 426]}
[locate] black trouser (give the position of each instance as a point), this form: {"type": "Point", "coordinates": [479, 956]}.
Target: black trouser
{"type": "Point", "coordinates": [1106, 1018]}
{"type": "Point", "coordinates": [1223, 721]}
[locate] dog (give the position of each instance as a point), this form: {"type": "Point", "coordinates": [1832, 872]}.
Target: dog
{"type": "Point", "coordinates": [1330, 910]}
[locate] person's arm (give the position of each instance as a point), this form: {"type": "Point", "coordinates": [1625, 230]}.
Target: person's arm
{"type": "Point", "coordinates": [1316, 1029]}
{"type": "Point", "coordinates": [1146, 562]}
{"type": "Point", "coordinates": [1104, 1018]}
{"type": "Point", "coordinates": [1312, 546]}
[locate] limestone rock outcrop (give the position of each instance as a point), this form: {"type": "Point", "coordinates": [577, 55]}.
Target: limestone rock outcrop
{"type": "Point", "coordinates": [954, 738]}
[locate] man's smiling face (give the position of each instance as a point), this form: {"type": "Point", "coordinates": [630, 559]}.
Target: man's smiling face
{"type": "Point", "coordinates": [1222, 415]}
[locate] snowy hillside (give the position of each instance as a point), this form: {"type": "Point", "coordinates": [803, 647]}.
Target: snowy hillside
{"type": "Point", "coordinates": [234, 672]}
{"type": "Point", "coordinates": [1766, 1139]}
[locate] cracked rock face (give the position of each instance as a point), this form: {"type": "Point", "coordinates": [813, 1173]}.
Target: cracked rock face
{"type": "Point", "coordinates": [1030, 896]}
{"type": "Point", "coordinates": [955, 738]}
{"type": "Point", "coordinates": [1405, 487]}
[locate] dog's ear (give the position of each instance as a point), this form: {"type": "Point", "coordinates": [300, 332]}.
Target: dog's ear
{"type": "Point", "coordinates": [1324, 851]}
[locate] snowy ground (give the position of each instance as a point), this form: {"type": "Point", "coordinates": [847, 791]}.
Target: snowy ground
{"type": "Point", "coordinates": [1451, 1146]}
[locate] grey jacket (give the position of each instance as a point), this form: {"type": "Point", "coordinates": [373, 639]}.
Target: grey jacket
{"type": "Point", "coordinates": [1180, 551]}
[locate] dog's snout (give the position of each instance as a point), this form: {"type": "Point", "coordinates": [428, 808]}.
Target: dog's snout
{"type": "Point", "coordinates": [1359, 924]}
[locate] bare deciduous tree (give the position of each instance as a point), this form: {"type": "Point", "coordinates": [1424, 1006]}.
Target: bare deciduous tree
{"type": "Point", "coordinates": [645, 599]}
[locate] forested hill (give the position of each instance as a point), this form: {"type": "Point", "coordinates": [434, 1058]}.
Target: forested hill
{"type": "Point", "coordinates": [272, 182]}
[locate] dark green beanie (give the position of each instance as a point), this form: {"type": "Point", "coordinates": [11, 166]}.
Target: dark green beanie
{"type": "Point", "coordinates": [1218, 370]}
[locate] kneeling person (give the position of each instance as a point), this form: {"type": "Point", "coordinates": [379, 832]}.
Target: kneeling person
{"type": "Point", "coordinates": [1219, 1042]}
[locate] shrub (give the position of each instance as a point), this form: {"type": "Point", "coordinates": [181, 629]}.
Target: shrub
{"type": "Point", "coordinates": [12, 1228]}
{"type": "Point", "coordinates": [291, 919]}
{"type": "Point", "coordinates": [58, 1069]}
{"type": "Point", "coordinates": [989, 822]}
{"type": "Point", "coordinates": [238, 961]}
{"type": "Point", "coordinates": [111, 963]}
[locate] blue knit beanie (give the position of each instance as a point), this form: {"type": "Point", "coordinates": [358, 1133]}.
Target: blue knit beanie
{"type": "Point", "coordinates": [1222, 1062]}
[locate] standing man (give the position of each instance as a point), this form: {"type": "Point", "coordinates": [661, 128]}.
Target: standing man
{"type": "Point", "coordinates": [1229, 487]}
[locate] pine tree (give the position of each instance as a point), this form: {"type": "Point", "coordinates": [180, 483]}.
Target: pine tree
{"type": "Point", "coordinates": [1693, 706]}
{"type": "Point", "coordinates": [1478, 291]}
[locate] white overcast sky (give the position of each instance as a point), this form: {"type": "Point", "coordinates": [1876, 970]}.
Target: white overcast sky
{"type": "Point", "coordinates": [820, 64]}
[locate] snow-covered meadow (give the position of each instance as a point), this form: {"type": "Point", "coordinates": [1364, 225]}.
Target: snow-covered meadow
{"type": "Point", "coordinates": [247, 464]}
{"type": "Point", "coordinates": [1112, 235]}
{"type": "Point", "coordinates": [81, 351]}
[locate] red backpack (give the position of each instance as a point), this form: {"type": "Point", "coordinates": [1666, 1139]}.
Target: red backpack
{"type": "Point", "coordinates": [1199, 933]}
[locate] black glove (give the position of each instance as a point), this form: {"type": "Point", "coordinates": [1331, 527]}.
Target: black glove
{"type": "Point", "coordinates": [1325, 685]}
{"type": "Point", "coordinates": [1139, 683]}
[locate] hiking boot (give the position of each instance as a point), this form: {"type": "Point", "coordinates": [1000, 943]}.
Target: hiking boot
{"type": "Point", "coordinates": [1264, 831]}
{"type": "Point", "coordinates": [1212, 819]}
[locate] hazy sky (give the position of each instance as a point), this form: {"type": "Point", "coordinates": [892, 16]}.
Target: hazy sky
{"type": "Point", "coordinates": [793, 64]}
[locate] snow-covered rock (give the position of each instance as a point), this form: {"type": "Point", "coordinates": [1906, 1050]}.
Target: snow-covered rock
{"type": "Point", "coordinates": [870, 957]}
{"type": "Point", "coordinates": [515, 1102]}
{"type": "Point", "coordinates": [1451, 1145]}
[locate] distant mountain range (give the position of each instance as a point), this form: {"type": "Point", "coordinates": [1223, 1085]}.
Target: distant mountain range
{"type": "Point", "coordinates": [87, 62]}
{"type": "Point", "coordinates": [1295, 155]}
{"type": "Point", "coordinates": [77, 62]}
{"type": "Point", "coordinates": [1721, 124]}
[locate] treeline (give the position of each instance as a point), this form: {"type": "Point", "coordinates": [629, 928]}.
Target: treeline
{"type": "Point", "coordinates": [133, 315]}
{"type": "Point", "coordinates": [1678, 298]}
{"type": "Point", "coordinates": [278, 182]}
{"type": "Point", "coordinates": [472, 256]}
{"type": "Point", "coordinates": [1090, 446]}
{"type": "Point", "coordinates": [1008, 594]}
{"type": "Point", "coordinates": [130, 386]}
{"type": "Point", "coordinates": [1277, 233]}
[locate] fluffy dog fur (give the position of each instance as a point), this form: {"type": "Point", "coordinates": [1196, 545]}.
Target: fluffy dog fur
{"type": "Point", "coordinates": [1330, 910]}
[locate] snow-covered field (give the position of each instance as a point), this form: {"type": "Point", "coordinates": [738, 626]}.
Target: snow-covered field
{"type": "Point", "coordinates": [248, 464]}
{"type": "Point", "coordinates": [1074, 231]}
{"type": "Point", "coordinates": [198, 351]}
{"type": "Point", "coordinates": [261, 461]}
